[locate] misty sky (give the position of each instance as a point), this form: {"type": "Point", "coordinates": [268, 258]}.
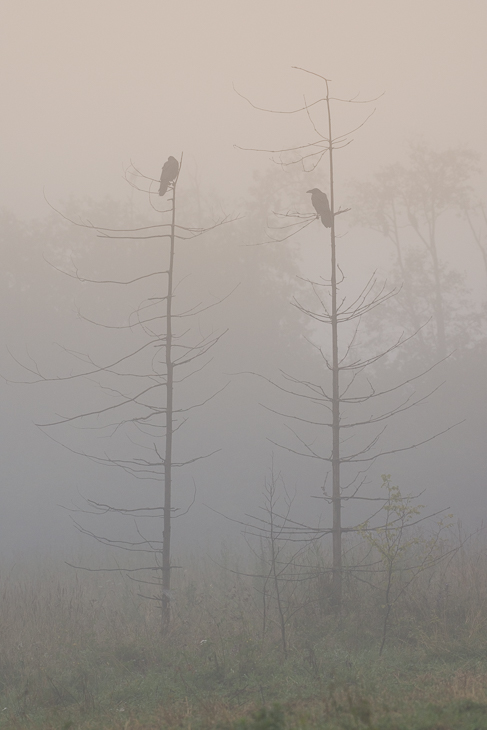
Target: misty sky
{"type": "Point", "coordinates": [88, 86]}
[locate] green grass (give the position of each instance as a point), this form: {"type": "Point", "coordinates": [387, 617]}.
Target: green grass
{"type": "Point", "coordinates": [83, 650]}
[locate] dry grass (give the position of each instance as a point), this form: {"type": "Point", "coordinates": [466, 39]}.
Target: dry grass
{"type": "Point", "coordinates": [83, 647]}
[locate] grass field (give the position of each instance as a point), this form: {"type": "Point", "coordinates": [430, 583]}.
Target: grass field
{"type": "Point", "coordinates": [84, 650]}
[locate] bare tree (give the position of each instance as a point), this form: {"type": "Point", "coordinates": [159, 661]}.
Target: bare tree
{"type": "Point", "coordinates": [279, 545]}
{"type": "Point", "coordinates": [144, 382]}
{"type": "Point", "coordinates": [341, 313]}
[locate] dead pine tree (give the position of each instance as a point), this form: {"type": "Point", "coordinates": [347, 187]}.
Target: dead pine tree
{"type": "Point", "coordinates": [145, 382]}
{"type": "Point", "coordinates": [341, 314]}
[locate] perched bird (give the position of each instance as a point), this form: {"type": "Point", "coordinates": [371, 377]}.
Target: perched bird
{"type": "Point", "coordinates": [320, 203]}
{"type": "Point", "coordinates": [169, 174]}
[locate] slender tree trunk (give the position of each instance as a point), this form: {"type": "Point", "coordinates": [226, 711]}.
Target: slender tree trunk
{"type": "Point", "coordinates": [277, 588]}
{"type": "Point", "coordinates": [335, 456]}
{"type": "Point", "coordinates": [439, 314]}
{"type": "Point", "coordinates": [166, 539]}
{"type": "Point", "coordinates": [406, 278]}
{"type": "Point", "coordinates": [478, 237]}
{"type": "Point", "coordinates": [483, 249]}
{"type": "Point", "coordinates": [430, 243]}
{"type": "Point", "coordinates": [388, 605]}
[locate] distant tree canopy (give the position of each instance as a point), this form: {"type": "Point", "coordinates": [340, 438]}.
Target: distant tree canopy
{"type": "Point", "coordinates": [418, 207]}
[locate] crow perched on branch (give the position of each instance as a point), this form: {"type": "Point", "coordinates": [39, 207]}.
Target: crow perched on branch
{"type": "Point", "coordinates": [320, 203]}
{"type": "Point", "coordinates": [169, 174]}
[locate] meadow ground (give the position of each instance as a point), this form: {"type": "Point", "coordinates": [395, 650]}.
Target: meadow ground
{"type": "Point", "coordinates": [84, 650]}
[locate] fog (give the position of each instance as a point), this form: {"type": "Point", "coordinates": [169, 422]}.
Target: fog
{"type": "Point", "coordinates": [90, 88]}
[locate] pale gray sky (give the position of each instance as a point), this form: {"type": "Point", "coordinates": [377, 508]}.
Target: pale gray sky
{"type": "Point", "coordinates": [86, 86]}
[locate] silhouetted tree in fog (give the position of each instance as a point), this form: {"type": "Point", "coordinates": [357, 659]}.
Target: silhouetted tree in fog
{"type": "Point", "coordinates": [143, 390]}
{"type": "Point", "coordinates": [331, 407]}
{"type": "Point", "coordinates": [474, 212]}
{"type": "Point", "coordinates": [410, 205]}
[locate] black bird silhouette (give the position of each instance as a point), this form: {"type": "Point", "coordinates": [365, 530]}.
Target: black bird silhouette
{"type": "Point", "coordinates": [320, 203]}
{"type": "Point", "coordinates": [169, 174]}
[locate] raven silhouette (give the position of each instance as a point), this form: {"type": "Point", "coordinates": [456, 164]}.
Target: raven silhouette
{"type": "Point", "coordinates": [320, 203]}
{"type": "Point", "coordinates": [169, 174]}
